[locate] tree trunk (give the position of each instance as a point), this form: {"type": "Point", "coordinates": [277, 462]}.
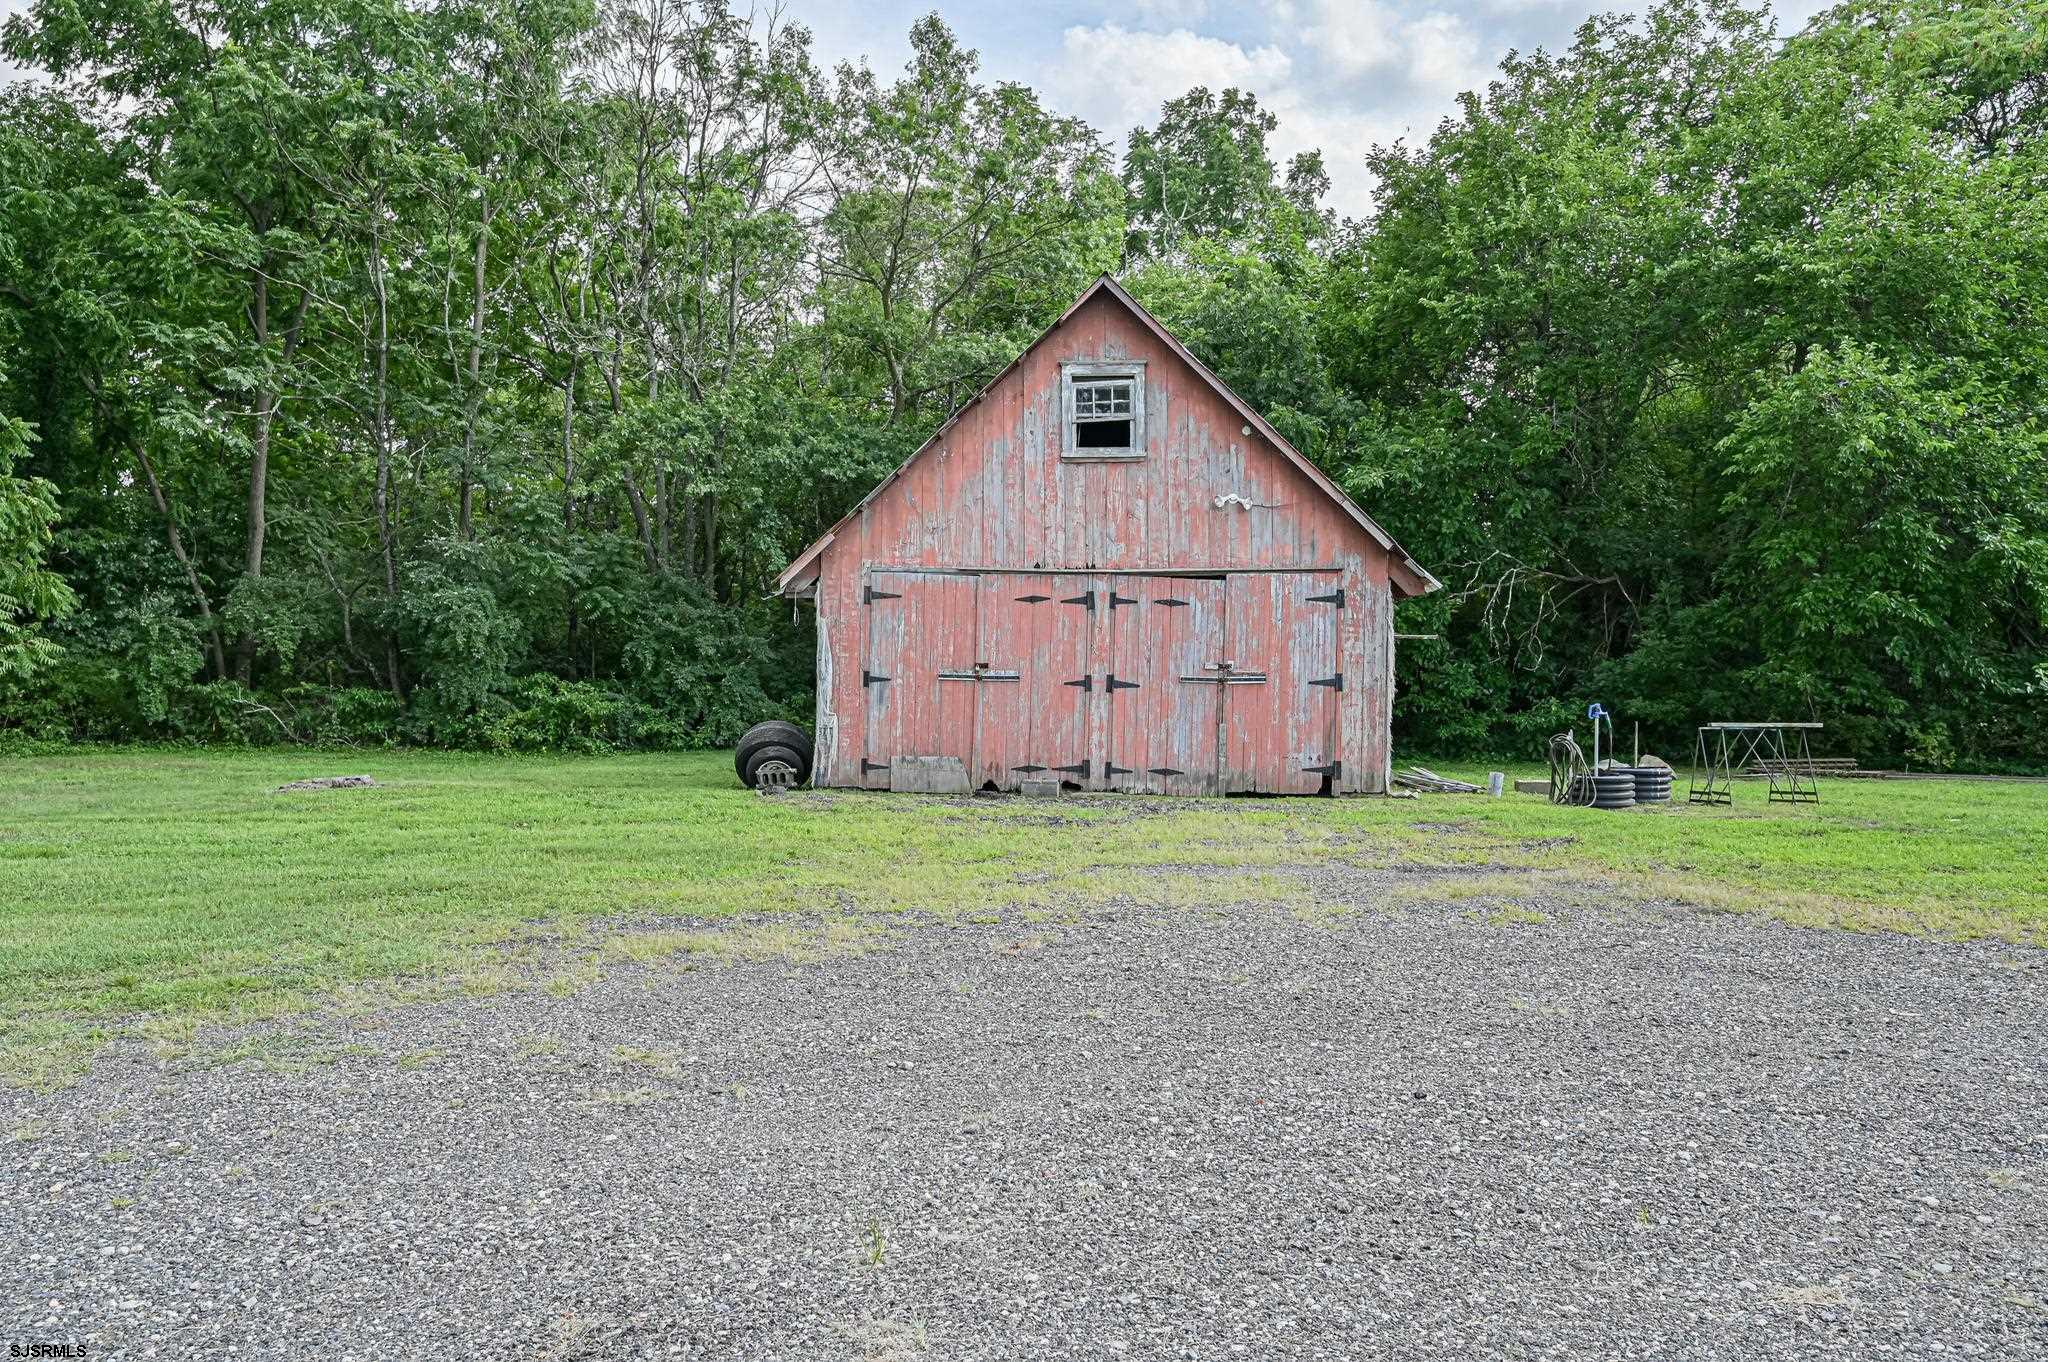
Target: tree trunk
{"type": "Point", "coordinates": [259, 469]}
{"type": "Point", "coordinates": [638, 501]}
{"type": "Point", "coordinates": [380, 432]}
{"type": "Point", "coordinates": [266, 404]}
{"type": "Point", "coordinates": [711, 542]}
{"type": "Point", "coordinates": [472, 398]}
{"type": "Point", "coordinates": [664, 511]}
{"type": "Point", "coordinates": [569, 503]}
{"type": "Point", "coordinates": [569, 448]}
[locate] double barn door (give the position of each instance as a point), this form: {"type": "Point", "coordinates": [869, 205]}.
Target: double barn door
{"type": "Point", "coordinates": [1163, 685]}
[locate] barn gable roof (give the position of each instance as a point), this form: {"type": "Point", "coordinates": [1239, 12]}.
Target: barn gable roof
{"type": "Point", "coordinates": [1410, 578]}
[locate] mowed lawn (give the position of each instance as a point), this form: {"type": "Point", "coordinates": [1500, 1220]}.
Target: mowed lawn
{"type": "Point", "coordinates": [142, 888]}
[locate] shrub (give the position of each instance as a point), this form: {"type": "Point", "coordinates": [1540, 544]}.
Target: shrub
{"type": "Point", "coordinates": [548, 714]}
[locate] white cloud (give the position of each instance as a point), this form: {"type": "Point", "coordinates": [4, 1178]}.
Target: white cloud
{"type": "Point", "coordinates": [1436, 53]}
{"type": "Point", "coordinates": [1117, 78]}
{"type": "Point", "coordinates": [1339, 76]}
{"type": "Point", "coordinates": [1352, 38]}
{"type": "Point", "coordinates": [1444, 57]}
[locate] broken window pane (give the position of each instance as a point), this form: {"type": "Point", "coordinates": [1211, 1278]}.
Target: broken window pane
{"type": "Point", "coordinates": [1104, 413]}
{"type": "Point", "coordinates": [1102, 434]}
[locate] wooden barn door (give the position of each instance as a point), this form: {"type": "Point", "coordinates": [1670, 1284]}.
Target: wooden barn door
{"type": "Point", "coordinates": [1033, 684]}
{"type": "Point", "coordinates": [1281, 704]}
{"type": "Point", "coordinates": [1160, 685]}
{"type": "Point", "coordinates": [1161, 699]}
{"type": "Point", "coordinates": [920, 627]}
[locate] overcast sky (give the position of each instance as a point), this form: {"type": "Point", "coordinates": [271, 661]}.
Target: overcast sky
{"type": "Point", "coordinates": [1341, 74]}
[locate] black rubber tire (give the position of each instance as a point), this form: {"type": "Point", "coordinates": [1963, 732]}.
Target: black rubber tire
{"type": "Point", "coordinates": [1653, 784]}
{"type": "Point", "coordinates": [1614, 790]}
{"type": "Point", "coordinates": [778, 731]}
{"type": "Point", "coordinates": [767, 752]}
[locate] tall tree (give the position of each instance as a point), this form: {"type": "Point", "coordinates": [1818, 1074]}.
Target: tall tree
{"type": "Point", "coordinates": [210, 101]}
{"type": "Point", "coordinates": [458, 372]}
{"type": "Point", "coordinates": [1585, 319]}
{"type": "Point", "coordinates": [961, 216]}
{"type": "Point", "coordinates": [1203, 174]}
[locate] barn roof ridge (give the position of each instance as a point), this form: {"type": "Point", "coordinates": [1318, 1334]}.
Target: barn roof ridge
{"type": "Point", "coordinates": [1106, 284]}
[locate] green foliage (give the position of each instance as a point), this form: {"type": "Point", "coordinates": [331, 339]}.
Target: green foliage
{"type": "Point", "coordinates": [29, 592]}
{"type": "Point", "coordinates": [343, 716]}
{"type": "Point", "coordinates": [279, 613]}
{"type": "Point", "coordinates": [461, 374]}
{"type": "Point", "coordinates": [1707, 374]}
{"type": "Point", "coordinates": [964, 218]}
{"type": "Point", "coordinates": [1203, 175]}
{"type": "Point", "coordinates": [1255, 311]}
{"type": "Point", "coordinates": [461, 633]}
{"type": "Point", "coordinates": [546, 714]}
{"type": "Point", "coordinates": [1888, 520]}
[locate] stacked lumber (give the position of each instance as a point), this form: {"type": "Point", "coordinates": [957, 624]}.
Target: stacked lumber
{"type": "Point", "coordinates": [1820, 766]}
{"type": "Point", "coordinates": [1422, 778]}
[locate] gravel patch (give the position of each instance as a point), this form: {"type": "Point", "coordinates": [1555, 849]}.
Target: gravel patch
{"type": "Point", "coordinates": [1636, 1133]}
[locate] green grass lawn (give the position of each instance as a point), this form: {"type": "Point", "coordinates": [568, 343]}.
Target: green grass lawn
{"type": "Point", "coordinates": [141, 888]}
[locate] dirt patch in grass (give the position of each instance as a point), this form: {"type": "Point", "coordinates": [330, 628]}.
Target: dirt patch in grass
{"type": "Point", "coordinates": [191, 893]}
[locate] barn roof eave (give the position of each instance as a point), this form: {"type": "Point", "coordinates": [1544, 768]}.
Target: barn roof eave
{"type": "Point", "coordinates": [1409, 577]}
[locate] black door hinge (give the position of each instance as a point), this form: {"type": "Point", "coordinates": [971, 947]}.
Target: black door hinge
{"type": "Point", "coordinates": [1116, 600]}
{"type": "Point", "coordinates": [1334, 682]}
{"type": "Point", "coordinates": [1335, 598]}
{"type": "Point", "coordinates": [1032, 600]}
{"type": "Point", "coordinates": [1333, 770]}
{"type": "Point", "coordinates": [870, 596]}
{"type": "Point", "coordinates": [1086, 683]}
{"type": "Point", "coordinates": [1077, 769]}
{"type": "Point", "coordinates": [1165, 771]}
{"type": "Point", "coordinates": [1113, 684]}
{"type": "Point", "coordinates": [867, 766]}
{"type": "Point", "coordinates": [1111, 769]}
{"type": "Point", "coordinates": [868, 678]}
{"type": "Point", "coordinates": [1028, 770]}
{"type": "Point", "coordinates": [1168, 600]}
{"type": "Point", "coordinates": [1086, 598]}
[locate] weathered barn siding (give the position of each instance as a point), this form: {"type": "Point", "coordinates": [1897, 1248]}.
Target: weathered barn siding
{"type": "Point", "coordinates": [938, 570]}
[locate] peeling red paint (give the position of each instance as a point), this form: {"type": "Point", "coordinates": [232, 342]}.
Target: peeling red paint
{"type": "Point", "coordinates": [999, 587]}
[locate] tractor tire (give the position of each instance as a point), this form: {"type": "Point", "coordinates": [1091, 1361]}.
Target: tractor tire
{"type": "Point", "coordinates": [776, 731]}
{"type": "Point", "coordinates": [774, 758]}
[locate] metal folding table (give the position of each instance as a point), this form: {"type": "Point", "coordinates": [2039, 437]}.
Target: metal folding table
{"type": "Point", "coordinates": [1724, 749]}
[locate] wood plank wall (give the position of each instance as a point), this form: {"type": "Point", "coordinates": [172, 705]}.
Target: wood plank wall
{"type": "Point", "coordinates": [996, 494]}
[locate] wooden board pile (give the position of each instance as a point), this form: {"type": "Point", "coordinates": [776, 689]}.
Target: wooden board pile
{"type": "Point", "coordinates": [1422, 778]}
{"type": "Point", "coordinates": [1821, 766]}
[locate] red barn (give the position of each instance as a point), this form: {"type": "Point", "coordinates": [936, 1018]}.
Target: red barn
{"type": "Point", "coordinates": [1106, 570]}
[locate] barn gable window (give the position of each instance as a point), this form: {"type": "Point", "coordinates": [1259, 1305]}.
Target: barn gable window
{"type": "Point", "coordinates": [1103, 406]}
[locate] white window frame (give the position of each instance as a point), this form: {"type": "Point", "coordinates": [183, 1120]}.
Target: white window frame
{"type": "Point", "coordinates": [1077, 372]}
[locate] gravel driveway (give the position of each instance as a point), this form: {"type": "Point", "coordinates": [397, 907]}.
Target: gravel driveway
{"type": "Point", "coordinates": [1639, 1133]}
